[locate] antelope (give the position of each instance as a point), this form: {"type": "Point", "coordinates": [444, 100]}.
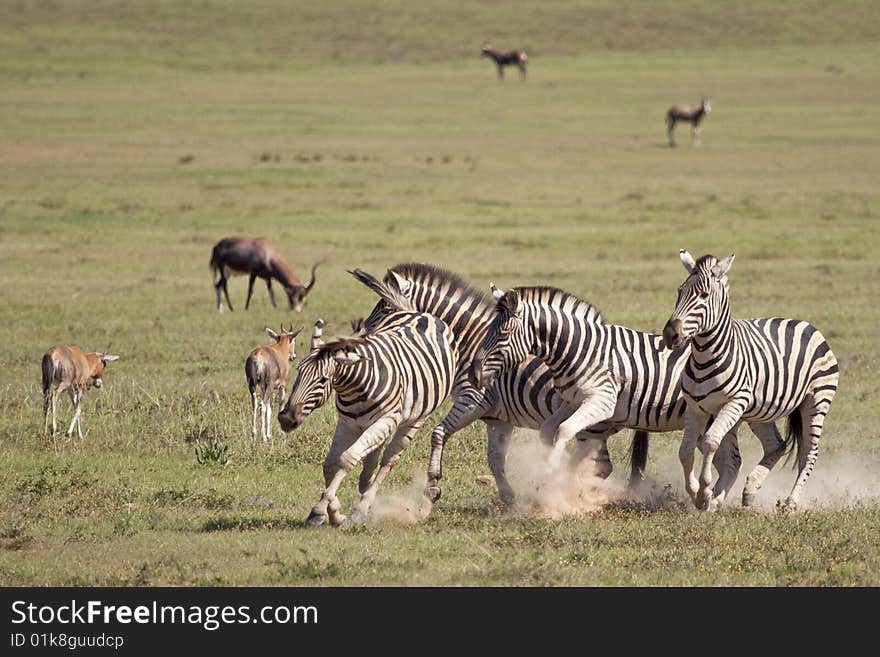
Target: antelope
{"type": "Point", "coordinates": [692, 114]}
{"type": "Point", "coordinates": [256, 257]}
{"type": "Point", "coordinates": [516, 58]}
{"type": "Point", "coordinates": [69, 368]}
{"type": "Point", "coordinates": [267, 370]}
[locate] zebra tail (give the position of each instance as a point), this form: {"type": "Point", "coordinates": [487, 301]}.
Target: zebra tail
{"type": "Point", "coordinates": [638, 456]}
{"type": "Point", "coordinates": [794, 436]}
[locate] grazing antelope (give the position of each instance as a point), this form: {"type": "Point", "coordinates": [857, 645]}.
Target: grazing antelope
{"type": "Point", "coordinates": [692, 114]}
{"type": "Point", "coordinates": [516, 58]}
{"type": "Point", "coordinates": [69, 368]}
{"type": "Point", "coordinates": [267, 370]}
{"type": "Point", "coordinates": [256, 257]}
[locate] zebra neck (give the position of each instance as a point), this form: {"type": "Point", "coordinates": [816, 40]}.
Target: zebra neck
{"type": "Point", "coordinates": [714, 345]}
{"type": "Point", "coordinates": [561, 338]}
{"type": "Point", "coordinates": [352, 380]}
{"type": "Point", "coordinates": [468, 315]}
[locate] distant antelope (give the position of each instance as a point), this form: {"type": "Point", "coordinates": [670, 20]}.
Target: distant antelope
{"type": "Point", "coordinates": [692, 114]}
{"type": "Point", "coordinates": [516, 58]}
{"type": "Point", "coordinates": [69, 368]}
{"type": "Point", "coordinates": [256, 257]}
{"type": "Point", "coordinates": [267, 370]}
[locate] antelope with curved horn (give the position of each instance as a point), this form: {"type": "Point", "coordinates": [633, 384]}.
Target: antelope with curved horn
{"type": "Point", "coordinates": [258, 258]}
{"type": "Point", "coordinates": [267, 370]}
{"type": "Point", "coordinates": [501, 58]}
{"type": "Point", "coordinates": [69, 368]}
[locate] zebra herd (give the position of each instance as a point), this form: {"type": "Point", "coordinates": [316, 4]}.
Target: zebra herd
{"type": "Point", "coordinates": [541, 358]}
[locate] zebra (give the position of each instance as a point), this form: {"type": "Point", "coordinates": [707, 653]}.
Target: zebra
{"type": "Point", "coordinates": [523, 397]}
{"type": "Point", "coordinates": [387, 382]}
{"type": "Point", "coordinates": [752, 370]}
{"type": "Point", "coordinates": [614, 377]}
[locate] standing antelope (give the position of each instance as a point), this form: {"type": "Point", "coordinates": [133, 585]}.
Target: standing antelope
{"type": "Point", "coordinates": [256, 257]}
{"type": "Point", "coordinates": [387, 382]}
{"type": "Point", "coordinates": [692, 114]}
{"type": "Point", "coordinates": [746, 370]}
{"type": "Point", "coordinates": [267, 369]}
{"type": "Point", "coordinates": [69, 368]}
{"type": "Point", "coordinates": [516, 58]}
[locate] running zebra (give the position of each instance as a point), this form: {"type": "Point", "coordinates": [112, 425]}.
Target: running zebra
{"type": "Point", "coordinates": [613, 376]}
{"type": "Point", "coordinates": [752, 370]}
{"type": "Point", "coordinates": [387, 382]}
{"type": "Point", "coordinates": [523, 397]}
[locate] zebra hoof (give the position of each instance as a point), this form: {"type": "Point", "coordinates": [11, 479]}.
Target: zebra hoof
{"type": "Point", "coordinates": [748, 499]}
{"type": "Point", "coordinates": [357, 517]}
{"type": "Point", "coordinates": [433, 494]}
{"type": "Point", "coordinates": [786, 506]}
{"type": "Point", "coordinates": [315, 519]}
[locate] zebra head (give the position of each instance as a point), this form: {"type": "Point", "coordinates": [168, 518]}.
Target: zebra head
{"type": "Point", "coordinates": [702, 298]}
{"type": "Point", "coordinates": [315, 376]}
{"type": "Point", "coordinates": [507, 342]}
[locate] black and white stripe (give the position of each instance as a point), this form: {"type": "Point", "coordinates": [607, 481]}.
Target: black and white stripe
{"type": "Point", "coordinates": [755, 370]}
{"type": "Point", "coordinates": [524, 396]}
{"type": "Point", "coordinates": [387, 382]}
{"type": "Point", "coordinates": [614, 377]}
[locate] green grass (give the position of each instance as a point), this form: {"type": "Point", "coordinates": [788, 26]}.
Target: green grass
{"type": "Point", "coordinates": [371, 136]}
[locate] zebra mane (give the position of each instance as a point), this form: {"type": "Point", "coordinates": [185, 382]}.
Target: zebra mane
{"type": "Point", "coordinates": [424, 274]}
{"type": "Point", "coordinates": [346, 343]}
{"type": "Point", "coordinates": [556, 296]}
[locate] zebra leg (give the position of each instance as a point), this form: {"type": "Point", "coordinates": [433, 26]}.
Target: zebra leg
{"type": "Point", "coordinates": [694, 423]}
{"type": "Point", "coordinates": [550, 426]}
{"type": "Point", "coordinates": [725, 420]}
{"type": "Point", "coordinates": [597, 407]}
{"type": "Point", "coordinates": [813, 413]}
{"type": "Point", "coordinates": [465, 410]}
{"type": "Point", "coordinates": [774, 448]}
{"type": "Point", "coordinates": [402, 438]}
{"type": "Point", "coordinates": [328, 505]}
{"type": "Point", "coordinates": [496, 451]}
{"type": "Point", "coordinates": [728, 463]}
{"type": "Point", "coordinates": [592, 443]}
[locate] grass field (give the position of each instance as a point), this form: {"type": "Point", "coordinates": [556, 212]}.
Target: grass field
{"type": "Point", "coordinates": [135, 135]}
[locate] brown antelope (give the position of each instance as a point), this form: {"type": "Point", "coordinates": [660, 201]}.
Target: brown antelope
{"type": "Point", "coordinates": [256, 257]}
{"type": "Point", "coordinates": [692, 114]}
{"type": "Point", "coordinates": [516, 58]}
{"type": "Point", "coordinates": [267, 370]}
{"type": "Point", "coordinates": [69, 368]}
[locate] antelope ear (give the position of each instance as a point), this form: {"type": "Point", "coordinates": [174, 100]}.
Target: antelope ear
{"type": "Point", "coordinates": [496, 293]}
{"type": "Point", "coordinates": [687, 260]}
{"type": "Point", "coordinates": [720, 270]}
{"type": "Point", "coordinates": [402, 284]}
{"type": "Point", "coordinates": [109, 358]}
{"type": "Point", "coordinates": [348, 357]}
{"type": "Point", "coordinates": [272, 334]}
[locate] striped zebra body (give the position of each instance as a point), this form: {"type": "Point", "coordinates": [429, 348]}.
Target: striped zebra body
{"type": "Point", "coordinates": [755, 371]}
{"type": "Point", "coordinates": [614, 377]}
{"type": "Point", "coordinates": [387, 382]}
{"type": "Point", "coordinates": [524, 396]}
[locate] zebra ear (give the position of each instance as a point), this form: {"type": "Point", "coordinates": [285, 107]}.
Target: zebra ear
{"type": "Point", "coordinates": [720, 270]}
{"type": "Point", "coordinates": [403, 285]}
{"type": "Point", "coordinates": [687, 260]}
{"type": "Point", "coordinates": [509, 303]}
{"type": "Point", "coordinates": [357, 325]}
{"type": "Point", "coordinates": [496, 293]}
{"type": "Point", "coordinates": [317, 333]}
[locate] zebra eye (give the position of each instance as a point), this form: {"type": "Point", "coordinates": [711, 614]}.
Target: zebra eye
{"type": "Point", "coordinates": [704, 295]}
